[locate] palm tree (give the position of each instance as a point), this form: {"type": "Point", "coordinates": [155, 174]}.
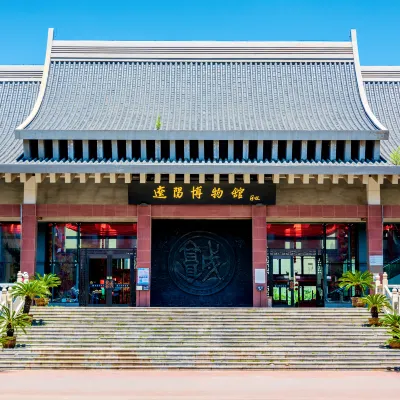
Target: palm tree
{"type": "Point", "coordinates": [394, 341]}
{"type": "Point", "coordinates": [11, 321]}
{"type": "Point", "coordinates": [29, 290]}
{"type": "Point", "coordinates": [376, 303]}
{"type": "Point", "coordinates": [49, 280]}
{"type": "Point", "coordinates": [359, 280]}
{"type": "Point", "coordinates": [391, 320]}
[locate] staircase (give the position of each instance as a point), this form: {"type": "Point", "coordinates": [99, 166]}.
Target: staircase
{"type": "Point", "coordinates": [216, 338]}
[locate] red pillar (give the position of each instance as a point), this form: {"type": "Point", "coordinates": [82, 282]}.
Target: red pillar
{"type": "Point", "coordinates": [29, 238]}
{"type": "Point", "coordinates": [375, 239]}
{"type": "Point", "coordinates": [259, 234]}
{"type": "Point", "coordinates": [143, 250]}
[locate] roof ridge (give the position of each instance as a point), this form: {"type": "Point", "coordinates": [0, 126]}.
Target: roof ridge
{"type": "Point", "coordinates": [361, 89]}
{"type": "Point", "coordinates": [381, 73]}
{"type": "Point", "coordinates": [90, 49]}
{"type": "Point", "coordinates": [43, 84]}
{"type": "Point", "coordinates": [21, 73]}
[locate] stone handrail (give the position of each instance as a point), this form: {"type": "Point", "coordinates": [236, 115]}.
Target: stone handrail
{"type": "Point", "coordinates": [392, 292]}
{"type": "Point", "coordinates": [6, 299]}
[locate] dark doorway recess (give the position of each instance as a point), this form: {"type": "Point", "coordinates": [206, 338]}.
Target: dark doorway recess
{"type": "Point", "coordinates": [201, 263]}
{"type": "Point", "coordinates": [107, 277]}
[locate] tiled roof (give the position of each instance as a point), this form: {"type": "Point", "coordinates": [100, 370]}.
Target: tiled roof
{"type": "Point", "coordinates": [17, 98]}
{"type": "Point", "coordinates": [384, 98]}
{"type": "Point", "coordinates": [198, 167]}
{"type": "Point", "coordinates": [202, 95]}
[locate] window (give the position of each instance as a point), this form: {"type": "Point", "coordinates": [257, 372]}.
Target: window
{"type": "Point", "coordinates": [10, 248]}
{"type": "Point", "coordinates": [65, 242]}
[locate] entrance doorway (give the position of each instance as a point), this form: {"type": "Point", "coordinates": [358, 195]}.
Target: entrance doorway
{"type": "Point", "coordinates": [108, 277]}
{"type": "Point", "coordinates": [296, 278]}
{"type": "Point", "coordinates": [201, 263]}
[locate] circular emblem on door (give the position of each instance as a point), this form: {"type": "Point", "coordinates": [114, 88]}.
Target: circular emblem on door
{"type": "Point", "coordinates": [201, 263]}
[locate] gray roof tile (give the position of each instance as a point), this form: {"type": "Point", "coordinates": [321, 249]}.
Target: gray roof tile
{"type": "Point", "coordinates": [197, 96]}
{"type": "Point", "coordinates": [384, 98]}
{"type": "Point", "coordinates": [197, 167]}
{"type": "Point", "coordinates": [16, 102]}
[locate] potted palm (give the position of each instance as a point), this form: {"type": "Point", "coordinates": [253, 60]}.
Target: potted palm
{"type": "Point", "coordinates": [10, 323]}
{"type": "Point", "coordinates": [29, 290]}
{"type": "Point", "coordinates": [49, 281]}
{"type": "Point", "coordinates": [358, 280]}
{"type": "Point", "coordinates": [394, 341]}
{"type": "Point", "coordinates": [391, 320]}
{"type": "Point", "coordinates": [376, 303]}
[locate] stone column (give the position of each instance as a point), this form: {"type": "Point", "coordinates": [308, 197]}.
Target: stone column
{"type": "Point", "coordinates": [29, 227]}
{"type": "Point", "coordinates": [143, 250]}
{"type": "Point", "coordinates": [375, 239]}
{"type": "Point", "coordinates": [28, 238]}
{"type": "Point", "coordinates": [259, 244]}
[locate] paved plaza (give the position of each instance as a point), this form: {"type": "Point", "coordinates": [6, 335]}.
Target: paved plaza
{"type": "Point", "coordinates": [197, 385]}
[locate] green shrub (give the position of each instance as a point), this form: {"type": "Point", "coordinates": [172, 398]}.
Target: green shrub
{"type": "Point", "coordinates": [359, 280]}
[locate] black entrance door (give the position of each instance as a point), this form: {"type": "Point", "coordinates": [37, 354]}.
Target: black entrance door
{"type": "Point", "coordinates": [107, 278]}
{"type": "Point", "coordinates": [201, 263]}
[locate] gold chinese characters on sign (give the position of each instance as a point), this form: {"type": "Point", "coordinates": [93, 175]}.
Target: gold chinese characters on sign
{"type": "Point", "coordinates": [217, 193]}
{"type": "Point", "coordinates": [159, 193]}
{"type": "Point", "coordinates": [197, 193]}
{"type": "Point", "coordinates": [178, 192]}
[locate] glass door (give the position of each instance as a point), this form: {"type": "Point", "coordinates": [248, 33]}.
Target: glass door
{"type": "Point", "coordinates": [294, 281]}
{"type": "Point", "coordinates": [110, 279]}
{"type": "Point", "coordinates": [282, 278]}
{"type": "Point", "coordinates": [120, 271]}
{"type": "Point", "coordinates": [306, 277]}
{"type": "Point", "coordinates": [97, 269]}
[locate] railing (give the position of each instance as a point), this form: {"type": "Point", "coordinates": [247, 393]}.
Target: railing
{"type": "Point", "coordinates": [392, 292]}
{"type": "Point", "coordinates": [392, 268]}
{"type": "Point", "coordinates": [341, 300]}
{"type": "Point", "coordinates": [6, 299]}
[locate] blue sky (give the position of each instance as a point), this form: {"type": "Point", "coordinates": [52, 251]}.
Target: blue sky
{"type": "Point", "coordinates": [24, 24]}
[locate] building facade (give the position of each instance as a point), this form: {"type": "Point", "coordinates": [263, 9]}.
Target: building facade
{"type": "Point", "coordinates": [199, 173]}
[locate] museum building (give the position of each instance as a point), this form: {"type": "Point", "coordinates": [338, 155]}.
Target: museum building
{"type": "Point", "coordinates": [209, 174]}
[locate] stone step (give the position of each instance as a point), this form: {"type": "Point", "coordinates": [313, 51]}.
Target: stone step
{"type": "Point", "coordinates": [216, 357]}
{"type": "Point", "coordinates": [329, 320]}
{"type": "Point", "coordinates": [226, 310]}
{"type": "Point", "coordinates": [213, 327]}
{"type": "Point", "coordinates": [203, 315]}
{"type": "Point", "coordinates": [212, 332]}
{"type": "Point", "coordinates": [203, 338]}
{"type": "Point", "coordinates": [208, 320]}
{"type": "Point", "coordinates": [289, 344]}
{"type": "Point", "coordinates": [198, 340]}
{"type": "Point", "coordinates": [200, 316]}
{"type": "Point", "coordinates": [216, 310]}
{"type": "Point", "coordinates": [174, 323]}
{"type": "Point", "coordinates": [349, 365]}
{"type": "Point", "coordinates": [117, 322]}
{"type": "Point", "coordinates": [180, 325]}
{"type": "Point", "coordinates": [199, 311]}
{"type": "Point", "coordinates": [197, 350]}
{"type": "Point", "coordinates": [209, 334]}
{"type": "Point", "coordinates": [167, 349]}
{"type": "Point", "coordinates": [210, 328]}
{"type": "Point", "coordinates": [203, 359]}
{"type": "Point", "coordinates": [217, 349]}
{"type": "Point", "coordinates": [193, 335]}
